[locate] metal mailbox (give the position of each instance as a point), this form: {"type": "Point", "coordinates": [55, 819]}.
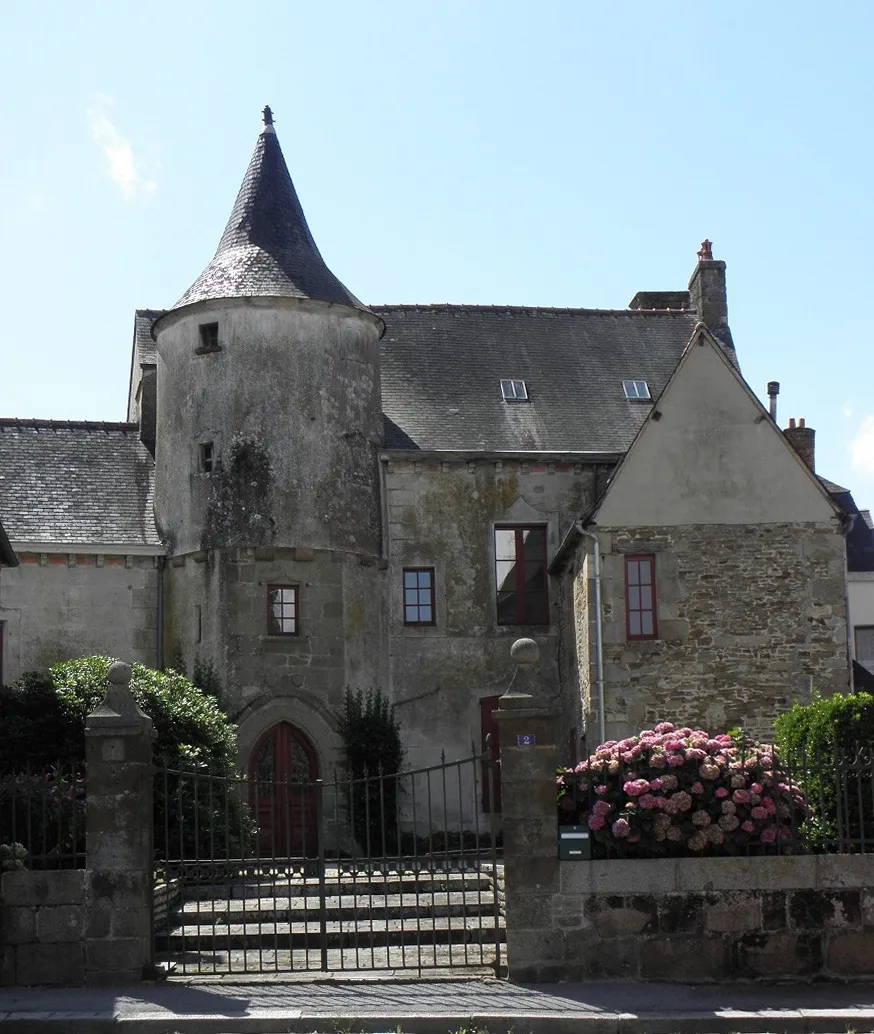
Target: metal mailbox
{"type": "Point", "coordinates": [574, 843]}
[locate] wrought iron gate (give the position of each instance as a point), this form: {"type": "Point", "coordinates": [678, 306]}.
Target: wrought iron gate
{"type": "Point", "coordinates": [400, 871]}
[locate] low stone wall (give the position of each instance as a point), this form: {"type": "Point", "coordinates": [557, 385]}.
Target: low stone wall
{"type": "Point", "coordinates": [42, 927]}
{"type": "Point", "coordinates": [706, 920]}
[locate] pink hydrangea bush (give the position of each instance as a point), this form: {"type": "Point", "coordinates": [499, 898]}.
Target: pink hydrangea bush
{"type": "Point", "coordinates": [683, 792]}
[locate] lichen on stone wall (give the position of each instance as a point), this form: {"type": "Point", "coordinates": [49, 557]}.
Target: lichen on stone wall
{"type": "Point", "coordinates": [239, 510]}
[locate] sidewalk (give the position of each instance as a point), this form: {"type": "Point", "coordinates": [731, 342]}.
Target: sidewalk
{"type": "Point", "coordinates": [439, 1007]}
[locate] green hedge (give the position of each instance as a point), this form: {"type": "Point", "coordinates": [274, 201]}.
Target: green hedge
{"type": "Point", "coordinates": [43, 721]}
{"type": "Point", "coordinates": [829, 744]}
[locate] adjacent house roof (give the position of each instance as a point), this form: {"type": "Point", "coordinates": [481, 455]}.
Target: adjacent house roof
{"type": "Point", "coordinates": [860, 538]}
{"type": "Point", "coordinates": [72, 482]}
{"type": "Point", "coordinates": [442, 367]}
{"type": "Point", "coordinates": [267, 248]}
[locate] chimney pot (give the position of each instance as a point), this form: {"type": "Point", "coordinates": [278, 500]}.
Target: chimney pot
{"type": "Point", "coordinates": [803, 440]}
{"type": "Point", "coordinates": [706, 252]}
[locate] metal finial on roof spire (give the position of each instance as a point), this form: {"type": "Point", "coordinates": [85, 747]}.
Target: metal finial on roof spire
{"type": "Point", "coordinates": [268, 115]}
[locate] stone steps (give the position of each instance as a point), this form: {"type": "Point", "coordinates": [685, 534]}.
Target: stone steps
{"type": "Point", "coordinates": [475, 959]}
{"type": "Point", "coordinates": [352, 907]}
{"type": "Point", "coordinates": [336, 883]}
{"type": "Point", "coordinates": [376, 916]}
{"type": "Point", "coordinates": [358, 933]}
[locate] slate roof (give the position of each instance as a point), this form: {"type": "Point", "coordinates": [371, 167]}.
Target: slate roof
{"type": "Point", "coordinates": [76, 482]}
{"type": "Point", "coordinates": [267, 248]}
{"type": "Point", "coordinates": [145, 350]}
{"type": "Point", "coordinates": [860, 539]}
{"type": "Point", "coordinates": [442, 366]}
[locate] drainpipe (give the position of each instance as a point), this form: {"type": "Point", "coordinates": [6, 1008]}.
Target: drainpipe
{"type": "Point", "coordinates": [599, 639]}
{"type": "Point", "coordinates": [159, 631]}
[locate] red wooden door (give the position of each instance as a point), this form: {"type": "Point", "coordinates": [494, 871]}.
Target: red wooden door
{"type": "Point", "coordinates": [282, 771]}
{"type": "Point", "coordinates": [491, 772]}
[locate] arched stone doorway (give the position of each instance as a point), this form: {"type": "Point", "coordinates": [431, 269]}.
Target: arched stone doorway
{"type": "Point", "coordinates": [282, 773]}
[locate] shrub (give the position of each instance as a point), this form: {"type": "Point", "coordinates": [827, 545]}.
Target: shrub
{"type": "Point", "coordinates": [830, 745]}
{"type": "Point", "coordinates": [682, 791]}
{"type": "Point", "coordinates": [43, 719]}
{"type": "Point", "coordinates": [373, 753]}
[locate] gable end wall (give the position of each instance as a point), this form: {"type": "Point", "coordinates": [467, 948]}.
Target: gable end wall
{"type": "Point", "coordinates": [751, 618]}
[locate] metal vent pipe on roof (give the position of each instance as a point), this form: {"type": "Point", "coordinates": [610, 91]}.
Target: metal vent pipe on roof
{"type": "Point", "coordinates": [773, 392]}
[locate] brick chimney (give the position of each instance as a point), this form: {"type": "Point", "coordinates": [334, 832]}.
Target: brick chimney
{"type": "Point", "coordinates": [801, 438]}
{"type": "Point", "coordinates": [707, 290]}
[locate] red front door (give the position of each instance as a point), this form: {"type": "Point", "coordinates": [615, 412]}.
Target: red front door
{"type": "Point", "coordinates": [282, 771]}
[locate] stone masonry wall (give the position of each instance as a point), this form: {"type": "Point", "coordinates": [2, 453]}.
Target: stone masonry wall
{"type": "Point", "coordinates": [441, 513]}
{"type": "Point", "coordinates": [750, 619]}
{"type": "Point", "coordinates": [55, 606]}
{"type": "Point", "coordinates": [42, 937]}
{"type": "Point", "coordinates": [695, 920]}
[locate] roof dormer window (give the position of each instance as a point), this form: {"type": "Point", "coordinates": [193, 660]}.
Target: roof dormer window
{"type": "Point", "coordinates": [209, 338]}
{"type": "Point", "coordinates": [514, 391]}
{"type": "Point", "coordinates": [636, 391]}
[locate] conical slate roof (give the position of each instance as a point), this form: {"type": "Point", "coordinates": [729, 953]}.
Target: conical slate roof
{"type": "Point", "coordinates": [267, 248]}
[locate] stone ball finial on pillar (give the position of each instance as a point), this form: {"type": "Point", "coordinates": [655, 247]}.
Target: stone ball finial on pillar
{"type": "Point", "coordinates": [118, 707]}
{"type": "Point", "coordinates": [119, 673]}
{"type": "Point", "coordinates": [525, 653]}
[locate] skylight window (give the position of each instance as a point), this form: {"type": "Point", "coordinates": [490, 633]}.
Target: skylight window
{"type": "Point", "coordinates": [636, 390]}
{"type": "Point", "coordinates": [514, 391]}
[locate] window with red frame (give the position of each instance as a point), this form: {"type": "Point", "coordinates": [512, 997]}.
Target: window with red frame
{"type": "Point", "coordinates": [283, 613]}
{"type": "Point", "coordinates": [640, 602]}
{"type": "Point", "coordinates": [520, 575]}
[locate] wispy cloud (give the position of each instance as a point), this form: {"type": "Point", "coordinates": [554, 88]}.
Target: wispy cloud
{"type": "Point", "coordinates": [123, 168]}
{"type": "Point", "coordinates": [847, 410]}
{"type": "Point", "coordinates": [861, 448]}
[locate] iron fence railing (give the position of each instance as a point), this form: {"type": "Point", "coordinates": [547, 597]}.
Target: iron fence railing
{"type": "Point", "coordinates": [796, 803]}
{"type": "Point", "coordinates": [382, 871]}
{"type": "Point", "coordinates": [42, 818]}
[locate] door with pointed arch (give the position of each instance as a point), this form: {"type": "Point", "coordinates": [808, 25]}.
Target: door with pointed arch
{"type": "Point", "coordinates": [282, 773]}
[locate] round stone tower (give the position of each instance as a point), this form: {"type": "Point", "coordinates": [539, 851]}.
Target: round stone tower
{"type": "Point", "coordinates": [269, 422]}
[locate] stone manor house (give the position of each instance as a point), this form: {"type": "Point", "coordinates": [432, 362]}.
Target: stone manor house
{"type": "Point", "coordinates": [312, 494]}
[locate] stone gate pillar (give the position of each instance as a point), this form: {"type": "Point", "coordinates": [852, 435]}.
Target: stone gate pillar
{"type": "Point", "coordinates": [118, 836]}
{"type": "Point", "coordinates": [529, 757]}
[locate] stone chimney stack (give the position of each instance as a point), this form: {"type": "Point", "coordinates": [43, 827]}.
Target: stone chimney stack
{"type": "Point", "coordinates": [707, 292]}
{"type": "Point", "coordinates": [801, 438]}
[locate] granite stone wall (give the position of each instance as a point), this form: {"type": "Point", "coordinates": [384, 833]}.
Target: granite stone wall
{"type": "Point", "coordinates": [708, 920]}
{"type": "Point", "coordinates": [750, 619]}
{"type": "Point", "coordinates": [42, 936]}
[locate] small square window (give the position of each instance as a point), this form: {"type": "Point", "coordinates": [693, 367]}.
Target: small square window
{"type": "Point", "coordinates": [209, 341]}
{"type": "Point", "coordinates": [514, 391]}
{"type": "Point", "coordinates": [419, 608]}
{"type": "Point", "coordinates": [636, 391]}
{"type": "Point", "coordinates": [205, 458]}
{"type": "Point", "coordinates": [282, 610]}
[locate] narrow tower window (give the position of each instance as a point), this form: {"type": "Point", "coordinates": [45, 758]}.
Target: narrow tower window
{"type": "Point", "coordinates": [205, 458]}
{"type": "Point", "coordinates": [209, 341]}
{"type": "Point", "coordinates": [282, 610]}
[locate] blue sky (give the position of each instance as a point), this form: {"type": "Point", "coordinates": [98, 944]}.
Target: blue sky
{"type": "Point", "coordinates": [488, 151]}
